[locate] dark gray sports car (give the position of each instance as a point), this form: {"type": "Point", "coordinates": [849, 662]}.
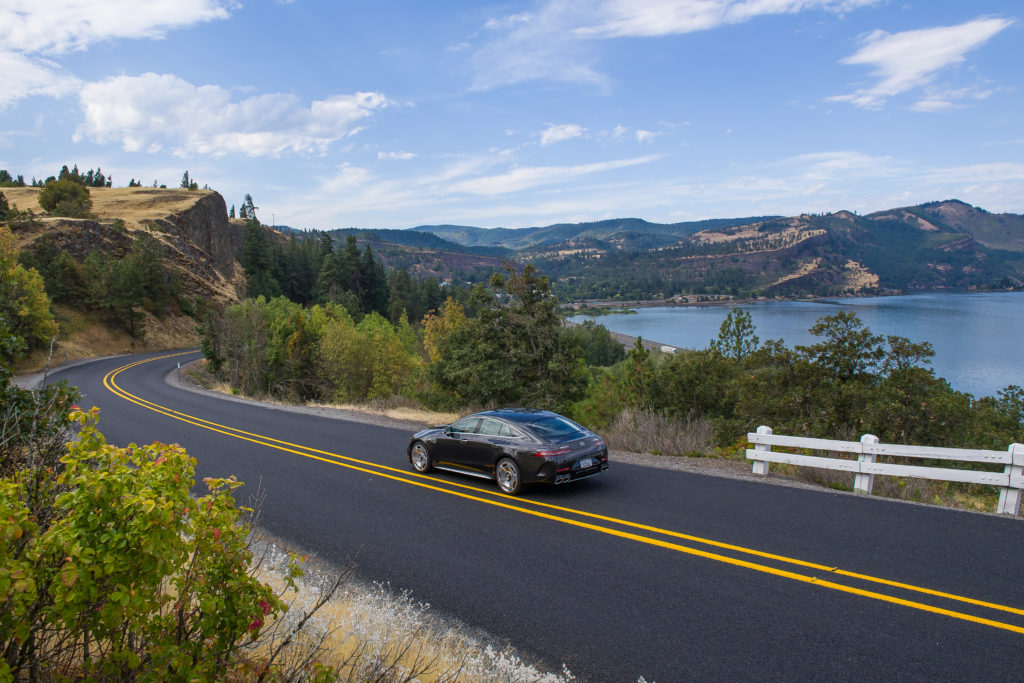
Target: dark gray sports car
{"type": "Point", "coordinates": [513, 447]}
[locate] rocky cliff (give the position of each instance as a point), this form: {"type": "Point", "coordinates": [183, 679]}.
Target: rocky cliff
{"type": "Point", "coordinates": [201, 245]}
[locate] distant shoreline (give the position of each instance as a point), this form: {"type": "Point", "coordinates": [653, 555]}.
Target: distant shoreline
{"type": "Point", "coordinates": [726, 300]}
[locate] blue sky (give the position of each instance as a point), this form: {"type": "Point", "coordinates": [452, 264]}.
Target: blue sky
{"type": "Point", "coordinates": [396, 114]}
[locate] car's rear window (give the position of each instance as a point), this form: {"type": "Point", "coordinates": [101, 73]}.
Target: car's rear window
{"type": "Point", "coordinates": [510, 432]}
{"type": "Point", "coordinates": [556, 428]}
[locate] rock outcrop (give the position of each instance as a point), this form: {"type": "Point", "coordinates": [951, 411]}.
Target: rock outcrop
{"type": "Point", "coordinates": [201, 245]}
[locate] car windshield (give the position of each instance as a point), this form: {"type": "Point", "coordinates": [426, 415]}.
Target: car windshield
{"type": "Point", "coordinates": [556, 428]}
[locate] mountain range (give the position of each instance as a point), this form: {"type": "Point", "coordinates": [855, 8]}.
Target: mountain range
{"type": "Point", "coordinates": [938, 245]}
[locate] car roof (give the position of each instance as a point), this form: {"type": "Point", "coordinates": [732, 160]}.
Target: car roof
{"type": "Point", "coordinates": [520, 415]}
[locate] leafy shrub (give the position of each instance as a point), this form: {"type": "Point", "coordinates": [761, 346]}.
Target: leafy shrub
{"type": "Point", "coordinates": [126, 576]}
{"type": "Point", "coordinates": [66, 198]}
{"type": "Point", "coordinates": [20, 220]}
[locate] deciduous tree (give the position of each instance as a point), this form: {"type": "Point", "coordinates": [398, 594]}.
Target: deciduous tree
{"type": "Point", "coordinates": [24, 306]}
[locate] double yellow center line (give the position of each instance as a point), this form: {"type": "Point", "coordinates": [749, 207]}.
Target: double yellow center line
{"type": "Point", "coordinates": [600, 523]}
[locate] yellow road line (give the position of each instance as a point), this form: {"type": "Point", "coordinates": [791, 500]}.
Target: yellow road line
{"type": "Point", "coordinates": [406, 478]}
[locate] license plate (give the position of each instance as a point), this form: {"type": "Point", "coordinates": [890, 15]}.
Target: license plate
{"type": "Point", "coordinates": [585, 463]}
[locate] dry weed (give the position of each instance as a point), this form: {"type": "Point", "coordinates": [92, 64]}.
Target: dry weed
{"type": "Point", "coordinates": [371, 633]}
{"type": "Point", "coordinates": [975, 497]}
{"type": "Point", "coordinates": [649, 432]}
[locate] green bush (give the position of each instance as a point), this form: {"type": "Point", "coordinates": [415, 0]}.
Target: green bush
{"type": "Point", "coordinates": [126, 576]}
{"type": "Point", "coordinates": [20, 220]}
{"type": "Point", "coordinates": [66, 198]}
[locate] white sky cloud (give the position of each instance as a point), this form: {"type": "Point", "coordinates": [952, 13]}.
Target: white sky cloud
{"type": "Point", "coordinates": [991, 172]}
{"type": "Point", "coordinates": [560, 133]}
{"type": "Point", "coordinates": [841, 164]}
{"type": "Point", "coordinates": [433, 196]}
{"type": "Point", "coordinates": [24, 77]}
{"type": "Point", "coordinates": [153, 112]}
{"type": "Point", "coordinates": [646, 18]}
{"type": "Point", "coordinates": [554, 42]}
{"type": "Point", "coordinates": [395, 155]}
{"type": "Point", "coordinates": [57, 26]}
{"type": "Point", "coordinates": [534, 46]}
{"type": "Point", "coordinates": [31, 30]}
{"type": "Point", "coordinates": [528, 177]}
{"type": "Point", "coordinates": [911, 59]}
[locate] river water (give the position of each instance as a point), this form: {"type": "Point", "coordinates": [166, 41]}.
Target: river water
{"type": "Point", "coordinates": [978, 338]}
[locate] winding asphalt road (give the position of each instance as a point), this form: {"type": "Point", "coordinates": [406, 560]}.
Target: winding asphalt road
{"type": "Point", "coordinates": [664, 574]}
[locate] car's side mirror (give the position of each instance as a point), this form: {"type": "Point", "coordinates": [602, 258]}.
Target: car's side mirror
{"type": "Point", "coordinates": [448, 430]}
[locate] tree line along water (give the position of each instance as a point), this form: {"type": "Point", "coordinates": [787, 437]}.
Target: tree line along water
{"type": "Point", "coordinates": [977, 337]}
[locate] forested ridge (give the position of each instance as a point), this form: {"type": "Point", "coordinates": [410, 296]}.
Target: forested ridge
{"type": "Point", "coordinates": [940, 245]}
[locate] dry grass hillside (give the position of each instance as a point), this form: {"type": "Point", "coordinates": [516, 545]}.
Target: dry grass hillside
{"type": "Point", "coordinates": [134, 205]}
{"type": "Point", "coordinates": [200, 249]}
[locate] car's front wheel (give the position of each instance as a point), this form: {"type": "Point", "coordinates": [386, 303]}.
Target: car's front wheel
{"type": "Point", "coordinates": [421, 461]}
{"type": "Point", "coordinates": [507, 474]}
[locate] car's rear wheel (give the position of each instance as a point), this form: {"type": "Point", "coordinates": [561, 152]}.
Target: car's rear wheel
{"type": "Point", "coordinates": [421, 460]}
{"type": "Point", "coordinates": [507, 474]}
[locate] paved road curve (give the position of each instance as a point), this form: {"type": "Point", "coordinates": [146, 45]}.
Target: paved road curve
{"type": "Point", "coordinates": [664, 574]}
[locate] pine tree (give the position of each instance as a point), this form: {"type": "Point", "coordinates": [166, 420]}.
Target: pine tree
{"type": "Point", "coordinates": [349, 274]}
{"type": "Point", "coordinates": [250, 209]}
{"type": "Point", "coordinates": [258, 263]}
{"type": "Point", "coordinates": [375, 282]}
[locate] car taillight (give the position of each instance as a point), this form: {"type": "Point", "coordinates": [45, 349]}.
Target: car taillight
{"type": "Point", "coordinates": [548, 454]}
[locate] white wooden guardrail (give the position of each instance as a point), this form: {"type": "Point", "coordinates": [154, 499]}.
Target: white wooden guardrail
{"type": "Point", "coordinates": [1010, 481]}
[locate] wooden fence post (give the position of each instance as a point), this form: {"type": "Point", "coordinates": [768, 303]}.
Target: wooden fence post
{"type": "Point", "coordinates": [761, 466]}
{"type": "Point", "coordinates": [1009, 496]}
{"type": "Point", "coordinates": [862, 483]}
